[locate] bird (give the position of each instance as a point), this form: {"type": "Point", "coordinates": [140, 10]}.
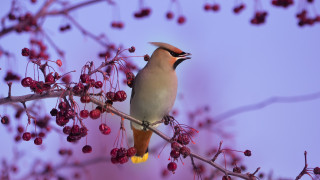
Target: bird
{"type": "Point", "coordinates": [153, 94]}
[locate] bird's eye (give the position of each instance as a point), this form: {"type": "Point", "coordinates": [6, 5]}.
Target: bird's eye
{"type": "Point", "coordinates": [174, 54]}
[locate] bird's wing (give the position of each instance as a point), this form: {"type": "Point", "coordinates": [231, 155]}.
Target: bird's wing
{"type": "Point", "coordinates": [133, 91]}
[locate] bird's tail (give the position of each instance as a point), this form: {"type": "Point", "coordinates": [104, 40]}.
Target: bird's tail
{"type": "Point", "coordinates": [141, 142]}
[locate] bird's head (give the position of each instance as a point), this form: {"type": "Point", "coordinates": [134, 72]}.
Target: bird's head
{"type": "Point", "coordinates": [167, 56]}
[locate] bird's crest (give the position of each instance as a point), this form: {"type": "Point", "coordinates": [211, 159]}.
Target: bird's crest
{"type": "Point", "coordinates": [167, 46]}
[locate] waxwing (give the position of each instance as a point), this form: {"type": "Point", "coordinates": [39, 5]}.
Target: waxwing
{"type": "Point", "coordinates": [153, 94]}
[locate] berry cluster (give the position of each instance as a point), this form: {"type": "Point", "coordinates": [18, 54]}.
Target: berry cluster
{"type": "Point", "coordinates": [122, 154]}
{"type": "Point", "coordinates": [26, 136]}
{"type": "Point", "coordinates": [237, 9]}
{"type": "Point", "coordinates": [64, 114]}
{"type": "Point", "coordinates": [282, 3]}
{"type": "Point", "coordinates": [180, 139]}
{"type": "Point", "coordinates": [117, 24]}
{"type": "Point", "coordinates": [27, 22]}
{"type": "Point", "coordinates": [259, 17]}
{"type": "Point", "coordinates": [41, 53]}
{"type": "Point", "coordinates": [305, 20]}
{"type": "Point", "coordinates": [214, 7]}
{"type": "Point", "coordinates": [144, 12]}
{"type": "Point", "coordinates": [181, 19]}
{"type": "Point", "coordinates": [38, 86]}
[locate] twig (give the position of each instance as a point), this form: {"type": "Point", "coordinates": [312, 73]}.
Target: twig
{"type": "Point", "coordinates": [28, 114]}
{"type": "Point", "coordinates": [265, 103]}
{"type": "Point", "coordinates": [9, 92]}
{"type": "Point", "coordinates": [218, 152]}
{"type": "Point", "coordinates": [304, 170]}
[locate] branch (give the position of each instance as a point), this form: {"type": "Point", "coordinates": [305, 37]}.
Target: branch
{"type": "Point", "coordinates": [265, 103]}
{"type": "Point", "coordinates": [111, 109]}
{"type": "Point", "coordinates": [67, 10]}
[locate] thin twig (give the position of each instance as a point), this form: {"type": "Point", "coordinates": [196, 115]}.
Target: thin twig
{"type": "Point", "coordinates": [9, 92]}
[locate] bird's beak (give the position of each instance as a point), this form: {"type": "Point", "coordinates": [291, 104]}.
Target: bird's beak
{"type": "Point", "coordinates": [184, 56]}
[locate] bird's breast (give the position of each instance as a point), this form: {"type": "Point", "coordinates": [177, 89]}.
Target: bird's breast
{"type": "Point", "coordinates": [154, 95]}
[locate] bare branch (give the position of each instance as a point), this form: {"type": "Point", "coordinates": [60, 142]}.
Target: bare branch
{"type": "Point", "coordinates": [265, 103]}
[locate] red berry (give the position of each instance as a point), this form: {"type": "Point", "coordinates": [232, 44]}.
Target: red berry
{"type": "Point", "coordinates": [84, 113]}
{"type": "Point", "coordinates": [175, 154]}
{"type": "Point", "coordinates": [38, 141]}
{"type": "Point", "coordinates": [98, 84]}
{"type": "Point", "coordinates": [114, 160]}
{"type": "Point", "coordinates": [123, 159]}
{"type": "Point", "coordinates": [169, 15]}
{"type": "Point", "coordinates": [95, 114]}
{"type": "Point", "coordinates": [183, 139]}
{"type": "Point", "coordinates": [120, 96]}
{"type": "Point", "coordinates": [184, 151]}
{"type": "Point", "coordinates": [131, 152]}
{"type": "Point", "coordinates": [114, 152]}
{"type": "Point", "coordinates": [84, 78]}
{"type": "Point", "coordinates": [216, 7]}
{"type": "Point", "coordinates": [226, 178]}
{"type": "Point", "coordinates": [54, 112]}
{"type": "Point", "coordinates": [132, 49]}
{"type": "Point", "coordinates": [5, 120]}
{"type": "Point", "coordinates": [207, 7]}
{"type": "Point", "coordinates": [236, 169]}
{"type": "Point", "coordinates": [20, 129]}
{"type": "Point", "coordinates": [316, 170]}
{"type": "Point", "coordinates": [67, 130]}
{"type": "Point", "coordinates": [87, 149]}
{"type": "Point", "coordinates": [172, 166]}
{"type": "Point", "coordinates": [106, 131]}
{"type": "Point", "coordinates": [146, 57]}
{"type": "Point", "coordinates": [83, 131]}
{"type": "Point", "coordinates": [181, 20]}
{"type": "Point", "coordinates": [62, 106]}
{"type": "Point", "coordinates": [25, 52]}
{"type": "Point", "coordinates": [26, 136]}
{"type": "Point", "coordinates": [175, 146]}
{"type": "Point", "coordinates": [26, 82]}
{"type": "Point", "coordinates": [121, 152]}
{"type": "Point", "coordinates": [247, 153]}
{"type": "Point", "coordinates": [49, 79]}
{"type": "Point", "coordinates": [110, 95]}
{"type": "Point", "coordinates": [85, 99]}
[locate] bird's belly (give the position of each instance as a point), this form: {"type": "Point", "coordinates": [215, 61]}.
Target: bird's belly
{"type": "Point", "coordinates": [154, 98]}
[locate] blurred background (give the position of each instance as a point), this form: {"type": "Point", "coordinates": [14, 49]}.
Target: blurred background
{"type": "Point", "coordinates": [234, 65]}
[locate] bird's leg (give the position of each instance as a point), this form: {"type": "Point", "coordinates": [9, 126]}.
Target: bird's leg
{"type": "Point", "coordinates": [145, 125]}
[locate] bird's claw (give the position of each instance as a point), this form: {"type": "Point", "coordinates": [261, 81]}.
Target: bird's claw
{"type": "Point", "coordinates": [145, 125]}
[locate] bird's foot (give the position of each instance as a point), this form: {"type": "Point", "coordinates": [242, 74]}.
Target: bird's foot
{"type": "Point", "coordinates": [168, 119]}
{"type": "Point", "coordinates": [145, 125]}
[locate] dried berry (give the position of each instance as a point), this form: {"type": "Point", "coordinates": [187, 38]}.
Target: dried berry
{"type": "Point", "coordinates": [131, 152]}
{"type": "Point", "coordinates": [247, 153]}
{"type": "Point", "coordinates": [25, 52]}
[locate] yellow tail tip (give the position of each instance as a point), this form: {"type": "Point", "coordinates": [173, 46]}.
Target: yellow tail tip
{"type": "Point", "coordinates": [139, 159]}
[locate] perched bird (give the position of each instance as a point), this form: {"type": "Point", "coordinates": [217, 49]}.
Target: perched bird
{"type": "Point", "coordinates": [153, 94]}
